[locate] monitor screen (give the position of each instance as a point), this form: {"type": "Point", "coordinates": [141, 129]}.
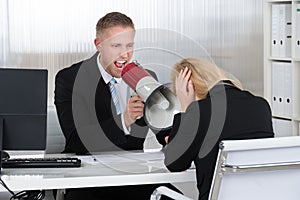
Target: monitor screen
{"type": "Point", "coordinates": [23, 108]}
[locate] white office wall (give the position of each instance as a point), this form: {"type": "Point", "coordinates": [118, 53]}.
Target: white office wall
{"type": "Point", "coordinates": [54, 34]}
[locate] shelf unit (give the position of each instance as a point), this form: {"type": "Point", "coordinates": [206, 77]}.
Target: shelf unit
{"type": "Point", "coordinates": [293, 60]}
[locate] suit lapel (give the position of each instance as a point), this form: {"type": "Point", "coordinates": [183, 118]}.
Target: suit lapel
{"type": "Point", "coordinates": [103, 100]}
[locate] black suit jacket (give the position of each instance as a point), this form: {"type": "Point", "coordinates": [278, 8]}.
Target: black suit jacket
{"type": "Point", "coordinates": [226, 114]}
{"type": "Point", "coordinates": [87, 115]}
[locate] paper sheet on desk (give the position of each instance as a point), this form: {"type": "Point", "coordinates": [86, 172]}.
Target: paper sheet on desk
{"type": "Point", "coordinates": [145, 156]}
{"type": "Point", "coordinates": [88, 159]}
{"type": "Point", "coordinates": [123, 157]}
{"type": "Point", "coordinates": [111, 158]}
{"type": "Point", "coordinates": [150, 159]}
{"type": "Point", "coordinates": [159, 164]}
{"type": "Point", "coordinates": [95, 159]}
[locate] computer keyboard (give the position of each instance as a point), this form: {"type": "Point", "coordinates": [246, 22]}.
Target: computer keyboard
{"type": "Point", "coordinates": [41, 162]}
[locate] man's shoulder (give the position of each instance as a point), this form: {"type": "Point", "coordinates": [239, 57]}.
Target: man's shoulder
{"type": "Point", "coordinates": [69, 71]}
{"type": "Point", "coordinates": [74, 68]}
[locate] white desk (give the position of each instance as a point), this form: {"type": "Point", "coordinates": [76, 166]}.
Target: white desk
{"type": "Point", "coordinates": [111, 169]}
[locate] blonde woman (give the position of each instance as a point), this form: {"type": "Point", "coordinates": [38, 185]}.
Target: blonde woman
{"type": "Point", "coordinates": [213, 108]}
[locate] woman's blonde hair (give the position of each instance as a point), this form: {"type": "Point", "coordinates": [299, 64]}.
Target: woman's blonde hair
{"type": "Point", "coordinates": [205, 75]}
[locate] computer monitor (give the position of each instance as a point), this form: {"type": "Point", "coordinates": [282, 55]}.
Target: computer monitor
{"type": "Point", "coordinates": [23, 109]}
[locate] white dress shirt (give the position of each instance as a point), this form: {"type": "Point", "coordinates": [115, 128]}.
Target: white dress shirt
{"type": "Point", "coordinates": [122, 91]}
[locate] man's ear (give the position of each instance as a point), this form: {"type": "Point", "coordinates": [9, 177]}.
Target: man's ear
{"type": "Point", "coordinates": [97, 44]}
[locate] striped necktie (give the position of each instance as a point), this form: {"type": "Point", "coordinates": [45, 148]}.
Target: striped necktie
{"type": "Point", "coordinates": [114, 95]}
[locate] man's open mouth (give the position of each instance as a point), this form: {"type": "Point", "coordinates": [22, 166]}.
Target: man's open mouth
{"type": "Point", "coordinates": [120, 63]}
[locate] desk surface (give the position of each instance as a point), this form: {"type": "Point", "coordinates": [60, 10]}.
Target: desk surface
{"type": "Point", "coordinates": [107, 169]}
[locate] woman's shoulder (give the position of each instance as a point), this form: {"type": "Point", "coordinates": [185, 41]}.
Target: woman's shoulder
{"type": "Point", "coordinates": [256, 99]}
{"type": "Point", "coordinates": [197, 105]}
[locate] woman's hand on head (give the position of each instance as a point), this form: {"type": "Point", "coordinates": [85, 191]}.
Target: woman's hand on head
{"type": "Point", "coordinates": [184, 88]}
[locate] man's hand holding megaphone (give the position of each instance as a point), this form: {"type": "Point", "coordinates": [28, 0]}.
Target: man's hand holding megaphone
{"type": "Point", "coordinates": [155, 102]}
{"type": "Point", "coordinates": [134, 110]}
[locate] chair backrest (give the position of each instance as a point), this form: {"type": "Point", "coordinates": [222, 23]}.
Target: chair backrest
{"type": "Point", "coordinates": [55, 137]}
{"type": "Point", "coordinates": [257, 169]}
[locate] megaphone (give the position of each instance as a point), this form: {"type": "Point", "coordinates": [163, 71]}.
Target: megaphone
{"type": "Point", "coordinates": [160, 103]}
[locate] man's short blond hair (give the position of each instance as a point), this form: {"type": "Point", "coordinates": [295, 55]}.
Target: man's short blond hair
{"type": "Point", "coordinates": [111, 20]}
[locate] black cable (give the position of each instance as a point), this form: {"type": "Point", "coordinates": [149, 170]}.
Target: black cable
{"type": "Point", "coordinates": [24, 195]}
{"type": "Point", "coordinates": [6, 187]}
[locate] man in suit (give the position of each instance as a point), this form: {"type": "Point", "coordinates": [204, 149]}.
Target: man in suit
{"type": "Point", "coordinates": [91, 118]}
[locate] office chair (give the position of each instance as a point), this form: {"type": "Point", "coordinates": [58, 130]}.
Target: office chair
{"type": "Point", "coordinates": [257, 169]}
{"type": "Point", "coordinates": [254, 169]}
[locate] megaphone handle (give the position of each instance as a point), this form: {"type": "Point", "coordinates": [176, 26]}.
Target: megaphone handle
{"type": "Point", "coordinates": [133, 93]}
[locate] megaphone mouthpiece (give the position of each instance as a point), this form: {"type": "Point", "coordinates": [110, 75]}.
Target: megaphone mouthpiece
{"type": "Point", "coordinates": [132, 74]}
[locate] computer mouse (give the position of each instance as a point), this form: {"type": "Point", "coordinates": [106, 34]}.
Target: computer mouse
{"type": "Point", "coordinates": [4, 155]}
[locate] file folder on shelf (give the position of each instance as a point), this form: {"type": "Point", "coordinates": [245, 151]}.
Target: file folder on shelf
{"type": "Point", "coordinates": [287, 90]}
{"type": "Point", "coordinates": [281, 30]}
{"type": "Point", "coordinates": [282, 89]}
{"type": "Point", "coordinates": [275, 85]}
{"type": "Point", "coordinates": [285, 33]}
{"type": "Point", "coordinates": [275, 31]}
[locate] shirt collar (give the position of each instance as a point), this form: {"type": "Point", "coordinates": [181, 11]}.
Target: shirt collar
{"type": "Point", "coordinates": [106, 76]}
